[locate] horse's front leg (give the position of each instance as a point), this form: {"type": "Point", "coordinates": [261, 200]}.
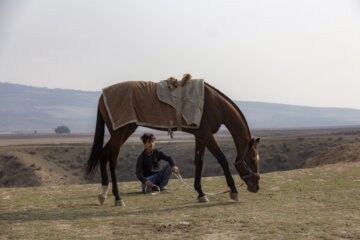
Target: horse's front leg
{"type": "Point", "coordinates": [218, 154]}
{"type": "Point", "coordinates": [199, 160]}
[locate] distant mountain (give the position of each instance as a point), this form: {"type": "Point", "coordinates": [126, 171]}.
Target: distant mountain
{"type": "Point", "coordinates": [27, 109]}
{"type": "Point", "coordinates": [273, 115]}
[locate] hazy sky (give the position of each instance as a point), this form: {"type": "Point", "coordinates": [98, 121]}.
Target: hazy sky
{"type": "Point", "coordinates": [294, 52]}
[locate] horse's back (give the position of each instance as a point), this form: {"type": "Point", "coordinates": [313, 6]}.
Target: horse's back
{"type": "Point", "coordinates": [136, 102]}
{"type": "Point", "coordinates": [134, 87]}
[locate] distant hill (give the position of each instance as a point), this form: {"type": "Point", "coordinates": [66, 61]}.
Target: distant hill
{"type": "Point", "coordinates": [26, 109]}
{"type": "Point", "coordinates": [273, 115]}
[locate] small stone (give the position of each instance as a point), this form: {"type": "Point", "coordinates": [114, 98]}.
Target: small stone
{"type": "Point", "coordinates": [183, 223]}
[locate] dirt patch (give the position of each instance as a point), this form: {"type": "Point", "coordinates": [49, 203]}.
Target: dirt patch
{"type": "Point", "coordinates": [24, 169]}
{"type": "Point", "coordinates": [14, 173]}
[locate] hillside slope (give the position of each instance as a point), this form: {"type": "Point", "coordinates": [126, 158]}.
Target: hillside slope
{"type": "Point", "coordinates": [343, 154]}
{"type": "Point", "coordinates": [60, 164]}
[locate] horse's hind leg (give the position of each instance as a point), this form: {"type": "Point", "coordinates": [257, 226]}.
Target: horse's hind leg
{"type": "Point", "coordinates": [104, 175]}
{"type": "Point", "coordinates": [113, 163]}
{"type": "Point", "coordinates": [117, 140]}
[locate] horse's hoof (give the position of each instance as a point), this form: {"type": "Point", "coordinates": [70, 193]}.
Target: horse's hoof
{"type": "Point", "coordinates": [203, 199]}
{"type": "Point", "coordinates": [234, 197]}
{"type": "Point", "coordinates": [101, 199]}
{"type": "Point", "coordinates": [119, 203]}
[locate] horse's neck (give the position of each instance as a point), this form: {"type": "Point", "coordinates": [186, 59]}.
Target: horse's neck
{"type": "Point", "coordinates": [236, 124]}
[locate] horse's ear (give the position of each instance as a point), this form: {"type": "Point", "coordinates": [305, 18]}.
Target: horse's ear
{"type": "Point", "coordinates": [256, 142]}
{"type": "Point", "coordinates": [251, 142]}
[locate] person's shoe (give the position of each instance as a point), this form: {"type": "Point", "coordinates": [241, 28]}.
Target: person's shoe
{"type": "Point", "coordinates": [154, 189]}
{"type": "Point", "coordinates": [151, 190]}
{"type": "Point", "coordinates": [163, 189]}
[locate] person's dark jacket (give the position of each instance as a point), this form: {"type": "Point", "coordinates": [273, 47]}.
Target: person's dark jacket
{"type": "Point", "coordinates": [149, 165]}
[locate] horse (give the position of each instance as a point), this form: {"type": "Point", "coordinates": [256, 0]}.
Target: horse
{"type": "Point", "coordinates": [218, 109]}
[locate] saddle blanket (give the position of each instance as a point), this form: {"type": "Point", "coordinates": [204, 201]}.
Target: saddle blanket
{"type": "Point", "coordinates": [152, 104]}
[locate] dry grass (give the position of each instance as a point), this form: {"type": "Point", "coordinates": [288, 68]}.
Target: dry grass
{"type": "Point", "coordinates": [317, 203]}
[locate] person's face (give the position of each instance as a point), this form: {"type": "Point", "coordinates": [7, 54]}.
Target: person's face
{"type": "Point", "coordinates": [149, 145]}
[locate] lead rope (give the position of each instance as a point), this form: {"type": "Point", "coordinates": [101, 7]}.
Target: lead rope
{"type": "Point", "coordinates": [179, 177]}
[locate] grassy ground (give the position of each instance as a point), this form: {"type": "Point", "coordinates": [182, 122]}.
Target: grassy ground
{"type": "Point", "coordinates": [317, 203]}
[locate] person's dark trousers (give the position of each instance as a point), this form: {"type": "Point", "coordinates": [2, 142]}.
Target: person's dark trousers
{"type": "Point", "coordinates": [160, 179]}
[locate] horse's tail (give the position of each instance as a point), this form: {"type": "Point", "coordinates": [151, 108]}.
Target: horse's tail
{"type": "Point", "coordinates": [97, 147]}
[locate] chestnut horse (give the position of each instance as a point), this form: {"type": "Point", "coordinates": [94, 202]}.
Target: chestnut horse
{"type": "Point", "coordinates": [218, 109]}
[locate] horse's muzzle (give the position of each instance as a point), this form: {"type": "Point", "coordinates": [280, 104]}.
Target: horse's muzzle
{"type": "Point", "coordinates": [253, 189]}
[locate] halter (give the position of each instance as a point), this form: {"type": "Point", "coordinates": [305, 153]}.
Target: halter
{"type": "Point", "coordinates": [246, 166]}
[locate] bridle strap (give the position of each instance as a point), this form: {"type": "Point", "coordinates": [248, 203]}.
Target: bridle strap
{"type": "Point", "coordinates": [251, 172]}
{"type": "Point", "coordinates": [243, 162]}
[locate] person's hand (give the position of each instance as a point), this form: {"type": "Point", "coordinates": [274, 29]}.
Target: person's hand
{"type": "Point", "coordinates": [175, 169]}
{"type": "Point", "coordinates": [149, 184]}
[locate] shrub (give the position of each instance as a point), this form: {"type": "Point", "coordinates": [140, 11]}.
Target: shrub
{"type": "Point", "coordinates": [62, 129]}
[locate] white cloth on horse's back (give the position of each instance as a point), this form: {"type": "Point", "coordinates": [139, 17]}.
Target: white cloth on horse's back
{"type": "Point", "coordinates": [137, 102]}
{"type": "Point", "coordinates": [192, 99]}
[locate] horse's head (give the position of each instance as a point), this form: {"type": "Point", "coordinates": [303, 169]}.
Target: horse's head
{"type": "Point", "coordinates": [248, 164]}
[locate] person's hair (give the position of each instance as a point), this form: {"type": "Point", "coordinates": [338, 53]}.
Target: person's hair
{"type": "Point", "coordinates": [147, 137]}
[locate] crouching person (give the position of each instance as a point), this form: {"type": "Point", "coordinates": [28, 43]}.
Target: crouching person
{"type": "Point", "coordinates": [148, 169]}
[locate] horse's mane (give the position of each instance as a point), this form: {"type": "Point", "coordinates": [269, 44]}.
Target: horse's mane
{"type": "Point", "coordinates": [232, 103]}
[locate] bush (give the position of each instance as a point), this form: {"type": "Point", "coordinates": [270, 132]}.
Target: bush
{"type": "Point", "coordinates": [62, 129]}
